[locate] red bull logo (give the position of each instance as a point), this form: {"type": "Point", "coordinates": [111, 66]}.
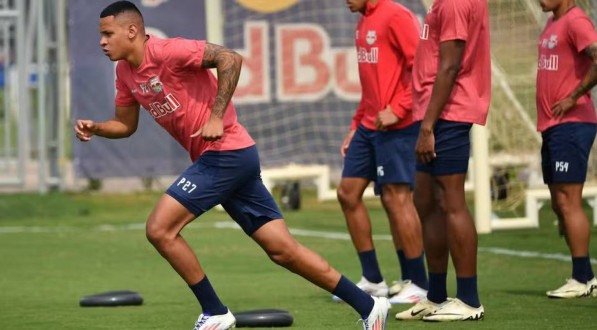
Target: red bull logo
{"type": "Point", "coordinates": [307, 68]}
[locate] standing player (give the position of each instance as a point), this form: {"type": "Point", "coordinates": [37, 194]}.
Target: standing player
{"type": "Point", "coordinates": [452, 87]}
{"type": "Point", "coordinates": [171, 79]}
{"type": "Point", "coordinates": [380, 145]}
{"type": "Point", "coordinates": [566, 72]}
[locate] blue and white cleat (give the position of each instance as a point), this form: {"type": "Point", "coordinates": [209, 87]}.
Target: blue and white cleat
{"type": "Point", "coordinates": [379, 314]}
{"type": "Point", "coordinates": [215, 322]}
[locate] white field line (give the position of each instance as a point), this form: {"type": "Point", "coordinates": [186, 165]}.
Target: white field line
{"type": "Point", "coordinates": [294, 231]}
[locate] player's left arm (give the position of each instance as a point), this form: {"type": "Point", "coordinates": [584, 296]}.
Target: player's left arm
{"type": "Point", "coordinates": [228, 64]}
{"type": "Point", "coordinates": [404, 37]}
{"type": "Point", "coordinates": [588, 82]}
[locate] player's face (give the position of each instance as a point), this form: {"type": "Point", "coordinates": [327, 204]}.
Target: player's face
{"type": "Point", "coordinates": [356, 5]}
{"type": "Point", "coordinates": [114, 38]}
{"type": "Point", "coordinates": [550, 5]}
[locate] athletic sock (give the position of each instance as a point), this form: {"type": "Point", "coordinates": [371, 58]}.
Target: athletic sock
{"type": "Point", "coordinates": [416, 271]}
{"type": "Point", "coordinates": [207, 297]}
{"type": "Point", "coordinates": [355, 297]}
{"type": "Point", "coordinates": [437, 288]}
{"type": "Point", "coordinates": [581, 269]}
{"type": "Point", "coordinates": [403, 266]}
{"type": "Point", "coordinates": [466, 290]}
{"type": "Point", "coordinates": [370, 266]}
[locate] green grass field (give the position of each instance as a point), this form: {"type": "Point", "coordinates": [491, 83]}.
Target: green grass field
{"type": "Point", "coordinates": [57, 248]}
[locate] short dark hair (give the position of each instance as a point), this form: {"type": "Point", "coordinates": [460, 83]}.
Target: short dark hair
{"type": "Point", "coordinates": [120, 7]}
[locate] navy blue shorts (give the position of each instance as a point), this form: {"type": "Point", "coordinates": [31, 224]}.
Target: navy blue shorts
{"type": "Point", "coordinates": [232, 179]}
{"type": "Point", "coordinates": [386, 157]}
{"type": "Point", "coordinates": [565, 152]}
{"type": "Point", "coordinates": [452, 148]}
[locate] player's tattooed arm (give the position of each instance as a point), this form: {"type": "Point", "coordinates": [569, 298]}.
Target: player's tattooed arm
{"type": "Point", "coordinates": [590, 79]}
{"type": "Point", "coordinates": [228, 64]}
{"type": "Point", "coordinates": [560, 108]}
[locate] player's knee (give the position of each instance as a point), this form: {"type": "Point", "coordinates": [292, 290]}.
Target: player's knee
{"type": "Point", "coordinates": [155, 233]}
{"type": "Point", "coordinates": [563, 204]}
{"type": "Point", "coordinates": [562, 207]}
{"type": "Point", "coordinates": [556, 209]}
{"type": "Point", "coordinates": [347, 198]}
{"type": "Point", "coordinates": [284, 256]}
{"type": "Point", "coordinates": [396, 197]}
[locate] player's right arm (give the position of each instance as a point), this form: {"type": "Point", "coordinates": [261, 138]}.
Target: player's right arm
{"type": "Point", "coordinates": [124, 124]}
{"type": "Point", "coordinates": [450, 60]}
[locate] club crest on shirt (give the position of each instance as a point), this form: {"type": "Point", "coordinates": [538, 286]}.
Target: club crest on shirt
{"type": "Point", "coordinates": [550, 43]}
{"type": "Point", "coordinates": [371, 37]}
{"type": "Point", "coordinates": [553, 41]}
{"type": "Point", "coordinates": [156, 85]}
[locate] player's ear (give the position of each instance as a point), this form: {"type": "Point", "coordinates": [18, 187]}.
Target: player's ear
{"type": "Point", "coordinates": [133, 30]}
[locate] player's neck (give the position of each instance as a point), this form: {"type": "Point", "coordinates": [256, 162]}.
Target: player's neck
{"type": "Point", "coordinates": [563, 9]}
{"type": "Point", "coordinates": [367, 4]}
{"type": "Point", "coordinates": [135, 59]}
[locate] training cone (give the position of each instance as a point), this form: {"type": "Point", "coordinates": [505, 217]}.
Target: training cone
{"type": "Point", "coordinates": [112, 299]}
{"type": "Point", "coordinates": [263, 318]}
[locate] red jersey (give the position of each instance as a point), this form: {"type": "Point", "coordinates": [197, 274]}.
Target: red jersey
{"type": "Point", "coordinates": [562, 67]}
{"type": "Point", "coordinates": [386, 40]}
{"type": "Point", "coordinates": [178, 93]}
{"type": "Point", "coordinates": [466, 20]}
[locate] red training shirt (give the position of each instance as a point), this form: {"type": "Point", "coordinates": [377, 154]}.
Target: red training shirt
{"type": "Point", "coordinates": [386, 39]}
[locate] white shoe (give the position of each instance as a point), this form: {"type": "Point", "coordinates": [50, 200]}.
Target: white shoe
{"type": "Point", "coordinates": [574, 289]}
{"type": "Point", "coordinates": [422, 308]}
{"type": "Point", "coordinates": [456, 310]}
{"type": "Point", "coordinates": [373, 289]}
{"type": "Point", "coordinates": [410, 294]}
{"type": "Point", "coordinates": [215, 322]}
{"type": "Point", "coordinates": [592, 287]}
{"type": "Point", "coordinates": [396, 287]}
{"type": "Point", "coordinates": [377, 318]}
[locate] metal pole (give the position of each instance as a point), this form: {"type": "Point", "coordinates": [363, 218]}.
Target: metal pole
{"type": "Point", "coordinates": [8, 144]}
{"type": "Point", "coordinates": [62, 85]}
{"type": "Point", "coordinates": [22, 100]}
{"type": "Point", "coordinates": [41, 97]}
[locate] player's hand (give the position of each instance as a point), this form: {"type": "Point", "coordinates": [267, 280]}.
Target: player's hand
{"type": "Point", "coordinates": [561, 107]}
{"type": "Point", "coordinates": [84, 129]}
{"type": "Point", "coordinates": [386, 118]}
{"type": "Point", "coordinates": [213, 130]}
{"type": "Point", "coordinates": [346, 142]}
{"type": "Point", "coordinates": [425, 148]}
